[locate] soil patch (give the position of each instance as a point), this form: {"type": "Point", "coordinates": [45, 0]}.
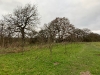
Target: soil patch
{"type": "Point", "coordinates": [85, 73]}
{"type": "Point", "coordinates": [97, 54]}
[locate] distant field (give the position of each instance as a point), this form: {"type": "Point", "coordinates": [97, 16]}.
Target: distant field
{"type": "Point", "coordinates": [72, 60]}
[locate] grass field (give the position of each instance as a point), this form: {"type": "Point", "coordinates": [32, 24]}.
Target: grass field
{"type": "Point", "coordinates": [78, 57]}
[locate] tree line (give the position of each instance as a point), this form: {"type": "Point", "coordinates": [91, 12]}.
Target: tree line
{"type": "Point", "coordinates": [21, 26]}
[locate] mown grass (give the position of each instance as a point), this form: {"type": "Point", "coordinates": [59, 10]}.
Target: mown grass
{"type": "Point", "coordinates": [77, 57]}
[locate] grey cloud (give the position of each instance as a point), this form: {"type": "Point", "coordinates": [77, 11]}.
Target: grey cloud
{"type": "Point", "coordinates": [81, 13]}
{"type": "Point", "coordinates": [90, 18]}
{"type": "Point", "coordinates": [8, 6]}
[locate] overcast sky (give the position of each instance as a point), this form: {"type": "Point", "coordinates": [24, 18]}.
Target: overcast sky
{"type": "Point", "coordinates": [81, 13]}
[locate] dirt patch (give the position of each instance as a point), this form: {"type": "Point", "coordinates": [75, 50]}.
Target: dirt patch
{"type": "Point", "coordinates": [85, 73]}
{"type": "Point", "coordinates": [56, 63]}
{"type": "Point", "coordinates": [97, 54]}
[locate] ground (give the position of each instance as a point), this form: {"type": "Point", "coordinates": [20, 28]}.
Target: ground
{"type": "Point", "coordinates": [74, 59]}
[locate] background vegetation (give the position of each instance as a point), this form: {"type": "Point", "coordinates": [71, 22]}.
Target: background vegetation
{"type": "Point", "coordinates": [21, 25]}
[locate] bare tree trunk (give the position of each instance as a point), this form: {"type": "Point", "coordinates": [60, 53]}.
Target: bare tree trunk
{"type": "Point", "coordinates": [3, 40]}
{"type": "Point", "coordinates": [65, 47]}
{"type": "Point", "coordinates": [2, 35]}
{"type": "Point", "coordinates": [50, 45]}
{"type": "Point", "coordinates": [23, 39]}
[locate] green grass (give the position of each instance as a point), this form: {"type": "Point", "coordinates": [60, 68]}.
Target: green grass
{"type": "Point", "coordinates": [77, 57]}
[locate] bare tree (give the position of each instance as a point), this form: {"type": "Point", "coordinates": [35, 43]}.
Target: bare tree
{"type": "Point", "coordinates": [23, 18]}
{"type": "Point", "coordinates": [86, 31]}
{"type": "Point", "coordinates": [43, 36]}
{"type": "Point", "coordinates": [60, 28]}
{"type": "Point", "coordinates": [78, 35]}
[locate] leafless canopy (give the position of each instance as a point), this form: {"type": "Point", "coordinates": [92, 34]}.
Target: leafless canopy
{"type": "Point", "coordinates": [23, 18]}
